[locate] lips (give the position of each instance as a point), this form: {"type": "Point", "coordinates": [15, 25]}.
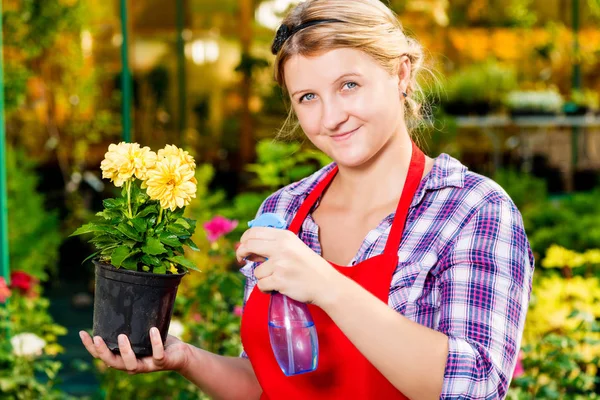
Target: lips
{"type": "Point", "coordinates": [344, 136]}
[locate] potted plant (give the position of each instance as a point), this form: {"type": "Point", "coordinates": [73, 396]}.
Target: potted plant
{"type": "Point", "coordinates": [534, 102]}
{"type": "Point", "coordinates": [478, 89]}
{"type": "Point", "coordinates": [582, 102]}
{"type": "Point", "coordinates": [140, 238]}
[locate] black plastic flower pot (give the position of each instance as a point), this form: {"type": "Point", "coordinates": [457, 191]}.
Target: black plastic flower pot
{"type": "Point", "coordinates": [132, 302]}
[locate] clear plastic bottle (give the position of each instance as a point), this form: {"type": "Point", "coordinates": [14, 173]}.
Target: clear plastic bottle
{"type": "Point", "coordinates": [292, 332]}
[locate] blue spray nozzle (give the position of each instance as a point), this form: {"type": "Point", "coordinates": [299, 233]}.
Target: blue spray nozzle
{"type": "Point", "coordinates": [268, 220]}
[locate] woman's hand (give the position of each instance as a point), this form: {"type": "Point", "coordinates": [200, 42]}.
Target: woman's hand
{"type": "Point", "coordinates": [173, 356]}
{"type": "Point", "coordinates": [292, 268]}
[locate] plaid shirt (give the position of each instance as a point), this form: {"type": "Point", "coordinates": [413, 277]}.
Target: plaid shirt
{"type": "Point", "coordinates": [465, 269]}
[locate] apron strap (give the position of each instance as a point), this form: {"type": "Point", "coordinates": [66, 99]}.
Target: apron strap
{"type": "Point", "coordinates": [310, 200]}
{"type": "Point", "coordinates": [413, 179]}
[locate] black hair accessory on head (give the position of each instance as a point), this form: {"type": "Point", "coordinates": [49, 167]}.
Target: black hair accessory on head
{"type": "Point", "coordinates": [284, 32]}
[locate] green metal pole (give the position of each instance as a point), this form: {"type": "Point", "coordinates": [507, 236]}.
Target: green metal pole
{"type": "Point", "coordinates": [182, 124]}
{"type": "Point", "coordinates": [4, 260]}
{"type": "Point", "coordinates": [125, 76]}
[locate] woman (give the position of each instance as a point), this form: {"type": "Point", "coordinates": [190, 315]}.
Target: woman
{"type": "Point", "coordinates": [417, 271]}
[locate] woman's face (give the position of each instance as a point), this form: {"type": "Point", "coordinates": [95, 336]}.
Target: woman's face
{"type": "Point", "coordinates": [346, 103]}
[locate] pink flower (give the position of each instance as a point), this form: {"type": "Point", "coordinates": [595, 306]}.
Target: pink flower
{"type": "Point", "coordinates": [196, 317]}
{"type": "Point", "coordinates": [219, 226]}
{"type": "Point", "coordinates": [237, 311]}
{"type": "Point", "coordinates": [519, 370]}
{"type": "Point", "coordinates": [4, 290]}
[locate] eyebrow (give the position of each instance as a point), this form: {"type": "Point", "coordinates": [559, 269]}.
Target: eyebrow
{"type": "Point", "coordinates": [337, 80]}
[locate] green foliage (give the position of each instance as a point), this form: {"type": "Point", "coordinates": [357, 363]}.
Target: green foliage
{"type": "Point", "coordinates": [135, 233]}
{"type": "Point", "coordinates": [511, 13]}
{"type": "Point", "coordinates": [483, 83]}
{"type": "Point", "coordinates": [31, 27]}
{"type": "Point", "coordinates": [280, 164]}
{"type": "Point", "coordinates": [119, 385]}
{"type": "Point", "coordinates": [15, 85]}
{"type": "Point", "coordinates": [525, 190]}
{"type": "Point", "coordinates": [556, 369]}
{"type": "Point", "coordinates": [572, 222]}
{"type": "Point", "coordinates": [34, 236]}
{"type": "Point", "coordinates": [29, 376]}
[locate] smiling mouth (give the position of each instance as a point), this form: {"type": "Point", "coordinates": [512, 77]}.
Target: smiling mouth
{"type": "Point", "coordinates": [344, 136]}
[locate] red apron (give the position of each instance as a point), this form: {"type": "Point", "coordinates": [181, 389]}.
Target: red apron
{"type": "Point", "coordinates": [342, 371]}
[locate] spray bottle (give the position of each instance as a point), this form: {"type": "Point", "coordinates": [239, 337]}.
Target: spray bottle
{"type": "Point", "coordinates": [292, 332]}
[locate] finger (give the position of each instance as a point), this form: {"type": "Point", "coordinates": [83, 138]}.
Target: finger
{"type": "Point", "coordinates": [268, 284]}
{"type": "Point", "coordinates": [260, 232]}
{"type": "Point", "coordinates": [243, 256]}
{"type": "Point", "coordinates": [127, 354]}
{"type": "Point", "coordinates": [255, 247]}
{"type": "Point", "coordinates": [264, 270]}
{"type": "Point", "coordinates": [87, 341]}
{"type": "Point", "coordinates": [106, 355]}
{"type": "Point", "coordinates": [158, 350]}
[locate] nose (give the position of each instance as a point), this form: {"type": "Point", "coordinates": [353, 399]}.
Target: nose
{"type": "Point", "coordinates": [333, 114]}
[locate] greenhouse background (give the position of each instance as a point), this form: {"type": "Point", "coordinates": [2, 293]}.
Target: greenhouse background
{"type": "Point", "coordinates": [516, 97]}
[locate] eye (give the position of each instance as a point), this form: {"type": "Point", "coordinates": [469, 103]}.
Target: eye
{"type": "Point", "coordinates": [307, 97]}
{"type": "Point", "coordinates": [350, 85]}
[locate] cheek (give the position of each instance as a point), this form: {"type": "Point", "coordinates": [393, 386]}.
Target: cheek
{"type": "Point", "coordinates": [309, 119]}
{"type": "Point", "coordinates": [378, 107]}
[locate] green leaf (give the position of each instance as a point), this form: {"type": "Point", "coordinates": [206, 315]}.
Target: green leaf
{"type": "Point", "coordinates": [153, 247]}
{"type": "Point", "coordinates": [181, 260]}
{"type": "Point", "coordinates": [192, 223]}
{"type": "Point", "coordinates": [88, 228]}
{"type": "Point", "coordinates": [120, 254]}
{"type": "Point", "coordinates": [90, 256]}
{"type": "Point", "coordinates": [113, 203]}
{"type": "Point", "coordinates": [150, 260]}
{"type": "Point", "coordinates": [110, 214]}
{"type": "Point", "coordinates": [169, 239]}
{"type": "Point", "coordinates": [183, 222]}
{"type": "Point", "coordinates": [103, 239]}
{"type": "Point", "coordinates": [131, 263]}
{"type": "Point", "coordinates": [178, 230]}
{"type": "Point", "coordinates": [160, 270]}
{"type": "Point", "coordinates": [190, 243]}
{"type": "Point", "coordinates": [139, 224]}
{"type": "Point", "coordinates": [128, 231]}
{"type": "Point", "coordinates": [149, 209]}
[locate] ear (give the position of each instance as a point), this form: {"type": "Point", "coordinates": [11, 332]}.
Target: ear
{"type": "Point", "coordinates": [404, 68]}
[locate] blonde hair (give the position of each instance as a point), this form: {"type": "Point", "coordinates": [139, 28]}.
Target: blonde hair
{"type": "Point", "coordinates": [366, 25]}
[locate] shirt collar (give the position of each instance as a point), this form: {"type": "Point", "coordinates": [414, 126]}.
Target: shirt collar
{"type": "Point", "coordinates": [446, 172]}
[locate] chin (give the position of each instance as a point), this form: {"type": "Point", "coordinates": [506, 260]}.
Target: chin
{"type": "Point", "coordinates": [351, 159]}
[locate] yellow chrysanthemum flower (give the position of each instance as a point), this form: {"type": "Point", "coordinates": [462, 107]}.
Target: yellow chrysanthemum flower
{"type": "Point", "coordinates": [172, 183]}
{"type": "Point", "coordinates": [559, 257]}
{"type": "Point", "coordinates": [144, 160]}
{"type": "Point", "coordinates": [125, 160]}
{"type": "Point", "coordinates": [174, 151]}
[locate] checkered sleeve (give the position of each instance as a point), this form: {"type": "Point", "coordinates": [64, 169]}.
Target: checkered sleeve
{"type": "Point", "coordinates": [484, 286]}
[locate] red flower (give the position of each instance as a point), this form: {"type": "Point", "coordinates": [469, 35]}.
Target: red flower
{"type": "Point", "coordinates": [22, 281]}
{"type": "Point", "coordinates": [4, 290]}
